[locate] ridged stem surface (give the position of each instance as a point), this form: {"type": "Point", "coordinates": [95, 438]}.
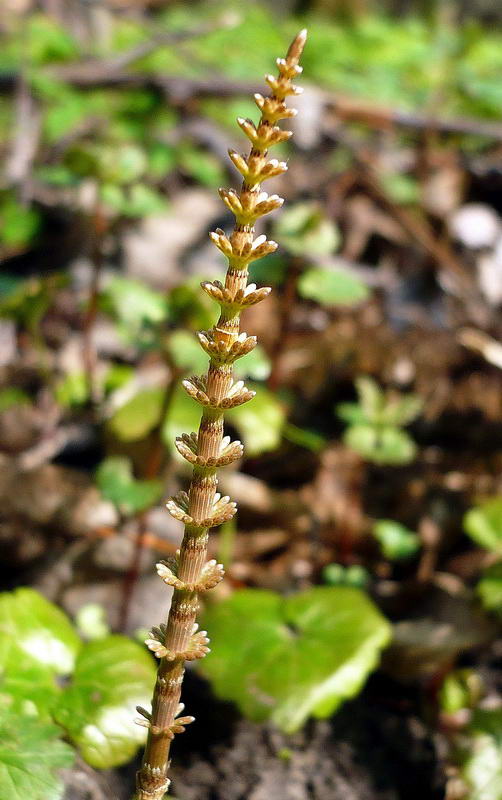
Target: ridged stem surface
{"type": "Point", "coordinates": [202, 508]}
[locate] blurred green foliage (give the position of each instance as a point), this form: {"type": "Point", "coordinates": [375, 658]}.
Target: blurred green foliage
{"type": "Point", "coordinates": [396, 541]}
{"type": "Point", "coordinates": [375, 423]}
{"type": "Point", "coordinates": [48, 674]}
{"type": "Point", "coordinates": [122, 136]}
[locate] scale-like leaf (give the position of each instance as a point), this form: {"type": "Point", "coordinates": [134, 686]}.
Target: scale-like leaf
{"type": "Point", "coordinates": [30, 752]}
{"type": "Point", "coordinates": [112, 676]}
{"type": "Point", "coordinates": [285, 658]}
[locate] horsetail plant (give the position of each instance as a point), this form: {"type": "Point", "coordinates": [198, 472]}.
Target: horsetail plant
{"type": "Point", "coordinates": [179, 640]}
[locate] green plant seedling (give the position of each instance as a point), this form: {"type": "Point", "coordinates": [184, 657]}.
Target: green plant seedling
{"type": "Point", "coordinates": [375, 423]}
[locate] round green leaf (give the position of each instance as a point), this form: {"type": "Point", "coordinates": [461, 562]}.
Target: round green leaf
{"type": "Point", "coordinates": [287, 658]}
{"type": "Point", "coordinates": [303, 229]}
{"type": "Point", "coordinates": [30, 752]}
{"type": "Point", "coordinates": [133, 303]}
{"type": "Point", "coordinates": [259, 422]}
{"type": "Point", "coordinates": [136, 418]}
{"type": "Point", "coordinates": [395, 539]}
{"type": "Point", "coordinates": [37, 642]}
{"type": "Point", "coordinates": [484, 524]}
{"type": "Point", "coordinates": [112, 676]}
{"type": "Point", "coordinates": [332, 287]}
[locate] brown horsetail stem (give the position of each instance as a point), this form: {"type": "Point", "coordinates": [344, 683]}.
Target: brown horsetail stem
{"type": "Point", "coordinates": [203, 508]}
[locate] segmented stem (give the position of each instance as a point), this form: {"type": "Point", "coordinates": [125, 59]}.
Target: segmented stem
{"type": "Point", "coordinates": [202, 508]}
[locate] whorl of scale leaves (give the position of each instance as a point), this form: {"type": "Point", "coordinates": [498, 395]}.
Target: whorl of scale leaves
{"type": "Point", "coordinates": [202, 508]}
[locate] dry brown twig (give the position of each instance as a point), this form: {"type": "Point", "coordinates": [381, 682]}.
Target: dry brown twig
{"type": "Point", "coordinates": [202, 508]}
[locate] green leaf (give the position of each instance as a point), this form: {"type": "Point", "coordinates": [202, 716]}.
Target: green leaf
{"type": "Point", "coordinates": [189, 306]}
{"type": "Point", "coordinates": [352, 413]}
{"type": "Point", "coordinates": [489, 588]}
{"type": "Point", "coordinates": [304, 230]}
{"type": "Point", "coordinates": [269, 271]}
{"type": "Point", "coordinates": [116, 483]}
{"type": "Point", "coordinates": [47, 41]}
{"type": "Point", "coordinates": [187, 352]}
{"type": "Point", "coordinates": [201, 165]}
{"type": "Point", "coordinates": [91, 621]}
{"type": "Point", "coordinates": [112, 676]}
{"type": "Point", "coordinates": [401, 410]}
{"type": "Point", "coordinates": [371, 397]}
{"type": "Point", "coordinates": [37, 643]}
{"type": "Point", "coordinates": [183, 417]}
{"type": "Point", "coordinates": [300, 655]}
{"type": "Point", "coordinates": [383, 445]}
{"type": "Point", "coordinates": [338, 575]}
{"type": "Point", "coordinates": [133, 303]}
{"type": "Point", "coordinates": [117, 376]}
{"type": "Point", "coordinates": [462, 688]}
{"type": "Point", "coordinates": [12, 396]}
{"type": "Point", "coordinates": [402, 189]}
{"type": "Point", "coordinates": [483, 524]}
{"type": "Point", "coordinates": [396, 540]}
{"type": "Point", "coordinates": [255, 364]}
{"type": "Point", "coordinates": [72, 390]}
{"type": "Point", "coordinates": [259, 422]}
{"type": "Point", "coordinates": [124, 164]}
{"type": "Point", "coordinates": [141, 200]}
{"type": "Point", "coordinates": [332, 287]}
{"type": "Point", "coordinates": [303, 437]}
{"type": "Point", "coordinates": [483, 768]}
{"type": "Point", "coordinates": [136, 418]}
{"type": "Point", "coordinates": [30, 752]}
{"type": "Point", "coordinates": [18, 223]}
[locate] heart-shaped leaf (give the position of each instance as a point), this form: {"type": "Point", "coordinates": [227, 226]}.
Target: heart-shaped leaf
{"type": "Point", "coordinates": [285, 658]}
{"type": "Point", "coordinates": [30, 752]}
{"type": "Point", "coordinates": [112, 676]}
{"type": "Point", "coordinates": [37, 642]}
